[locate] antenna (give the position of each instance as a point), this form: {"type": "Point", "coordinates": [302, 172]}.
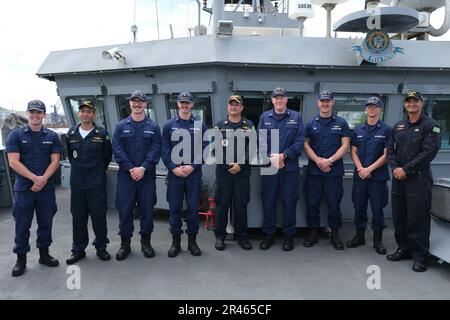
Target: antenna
{"type": "Point", "coordinates": [134, 28]}
{"type": "Point", "coordinates": [157, 17]}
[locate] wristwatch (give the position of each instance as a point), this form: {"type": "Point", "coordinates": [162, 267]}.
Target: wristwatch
{"type": "Point", "coordinates": [144, 168]}
{"type": "Point", "coordinates": [330, 160]}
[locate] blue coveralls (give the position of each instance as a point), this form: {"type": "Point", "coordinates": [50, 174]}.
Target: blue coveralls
{"type": "Point", "coordinates": [370, 142]}
{"type": "Point", "coordinates": [233, 190]}
{"type": "Point", "coordinates": [412, 147]}
{"type": "Point", "coordinates": [89, 159]}
{"type": "Point", "coordinates": [324, 136]}
{"type": "Point", "coordinates": [285, 182]}
{"type": "Point", "coordinates": [35, 150]}
{"type": "Point", "coordinates": [190, 186]}
{"type": "Point", "coordinates": [136, 144]}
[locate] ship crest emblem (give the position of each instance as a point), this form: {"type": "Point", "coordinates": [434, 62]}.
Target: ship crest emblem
{"type": "Point", "coordinates": [377, 47]}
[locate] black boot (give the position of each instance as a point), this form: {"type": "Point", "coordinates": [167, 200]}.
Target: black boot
{"type": "Point", "coordinates": [192, 245]}
{"type": "Point", "coordinates": [288, 243]}
{"type": "Point", "coordinates": [103, 254]}
{"type": "Point", "coordinates": [124, 249]}
{"type": "Point", "coordinates": [312, 239]}
{"type": "Point", "coordinates": [378, 242]}
{"type": "Point", "coordinates": [335, 240]}
{"type": "Point", "coordinates": [267, 242]}
{"type": "Point", "coordinates": [20, 266]}
{"type": "Point", "coordinates": [76, 256]}
{"type": "Point", "coordinates": [244, 243]}
{"type": "Point", "coordinates": [358, 239]}
{"type": "Point", "coordinates": [220, 244]}
{"type": "Point", "coordinates": [146, 247]}
{"type": "Point", "coordinates": [46, 259]}
{"type": "Point", "coordinates": [400, 254]}
{"type": "Point", "coordinates": [176, 246]}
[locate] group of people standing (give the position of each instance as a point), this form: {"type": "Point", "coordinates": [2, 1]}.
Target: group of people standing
{"type": "Point", "coordinates": [138, 144]}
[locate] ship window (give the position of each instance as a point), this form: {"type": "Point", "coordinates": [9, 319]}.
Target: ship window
{"type": "Point", "coordinates": [438, 108]}
{"type": "Point", "coordinates": [99, 119]}
{"type": "Point", "coordinates": [124, 110]}
{"type": "Point", "coordinates": [201, 109]}
{"type": "Point", "coordinates": [351, 108]}
{"type": "Point", "coordinates": [255, 105]}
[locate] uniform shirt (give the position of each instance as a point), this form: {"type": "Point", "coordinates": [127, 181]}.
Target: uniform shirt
{"type": "Point", "coordinates": [89, 157]}
{"type": "Point", "coordinates": [197, 145]}
{"type": "Point", "coordinates": [370, 142]}
{"type": "Point", "coordinates": [291, 136]}
{"type": "Point", "coordinates": [137, 144]}
{"type": "Point", "coordinates": [414, 145]}
{"type": "Point", "coordinates": [325, 136]}
{"type": "Point", "coordinates": [35, 150]}
{"type": "Point", "coordinates": [225, 126]}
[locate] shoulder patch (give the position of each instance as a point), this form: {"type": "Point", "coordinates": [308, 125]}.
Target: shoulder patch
{"type": "Point", "coordinates": [437, 129]}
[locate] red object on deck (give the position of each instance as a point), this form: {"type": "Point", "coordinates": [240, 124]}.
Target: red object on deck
{"type": "Point", "coordinates": [210, 214]}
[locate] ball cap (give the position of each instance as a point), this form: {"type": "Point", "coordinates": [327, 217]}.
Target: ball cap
{"type": "Point", "coordinates": [413, 94]}
{"type": "Point", "coordinates": [375, 101]}
{"type": "Point", "coordinates": [36, 105]}
{"type": "Point", "coordinates": [86, 103]}
{"type": "Point", "coordinates": [138, 95]}
{"type": "Point", "coordinates": [185, 97]}
{"type": "Point", "coordinates": [236, 98]}
{"type": "Point", "coordinates": [279, 92]}
{"type": "Point", "coordinates": [325, 95]}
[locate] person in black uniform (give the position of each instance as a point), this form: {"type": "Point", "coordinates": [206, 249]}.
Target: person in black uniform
{"type": "Point", "coordinates": [33, 153]}
{"type": "Point", "coordinates": [233, 178]}
{"type": "Point", "coordinates": [413, 145]}
{"type": "Point", "coordinates": [89, 150]}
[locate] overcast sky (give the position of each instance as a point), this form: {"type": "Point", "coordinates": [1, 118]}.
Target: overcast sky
{"type": "Point", "coordinates": [30, 29]}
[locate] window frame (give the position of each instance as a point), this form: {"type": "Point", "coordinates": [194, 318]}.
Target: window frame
{"type": "Point", "coordinates": [92, 98]}
{"type": "Point", "coordinates": [171, 99]}
{"type": "Point", "coordinates": [362, 98]}
{"type": "Point", "coordinates": [148, 111]}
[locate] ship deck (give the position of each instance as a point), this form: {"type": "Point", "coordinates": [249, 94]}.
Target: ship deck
{"type": "Point", "coordinates": [304, 273]}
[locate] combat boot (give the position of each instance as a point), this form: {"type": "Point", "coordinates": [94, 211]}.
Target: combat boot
{"type": "Point", "coordinates": [288, 243]}
{"type": "Point", "coordinates": [335, 240]}
{"type": "Point", "coordinates": [76, 256]}
{"type": "Point", "coordinates": [20, 266]}
{"type": "Point", "coordinates": [312, 239]}
{"type": "Point", "coordinates": [358, 239]}
{"type": "Point", "coordinates": [176, 246]}
{"type": "Point", "coordinates": [46, 259]}
{"type": "Point", "coordinates": [267, 242]}
{"type": "Point", "coordinates": [192, 245]}
{"type": "Point", "coordinates": [124, 249]}
{"type": "Point", "coordinates": [146, 247]}
{"type": "Point", "coordinates": [244, 243]}
{"type": "Point", "coordinates": [378, 242]}
{"type": "Point", "coordinates": [220, 244]}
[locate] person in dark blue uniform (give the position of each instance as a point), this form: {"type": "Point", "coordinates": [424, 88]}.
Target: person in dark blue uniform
{"type": "Point", "coordinates": [285, 182]}
{"type": "Point", "coordinates": [184, 177]}
{"type": "Point", "coordinates": [137, 149]}
{"type": "Point", "coordinates": [233, 178]}
{"type": "Point", "coordinates": [368, 152]}
{"type": "Point", "coordinates": [34, 154]}
{"type": "Point", "coordinates": [89, 150]}
{"type": "Point", "coordinates": [327, 139]}
{"type": "Point", "coordinates": [413, 145]}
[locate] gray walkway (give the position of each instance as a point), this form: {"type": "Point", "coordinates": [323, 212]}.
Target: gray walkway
{"type": "Point", "coordinates": [305, 273]}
